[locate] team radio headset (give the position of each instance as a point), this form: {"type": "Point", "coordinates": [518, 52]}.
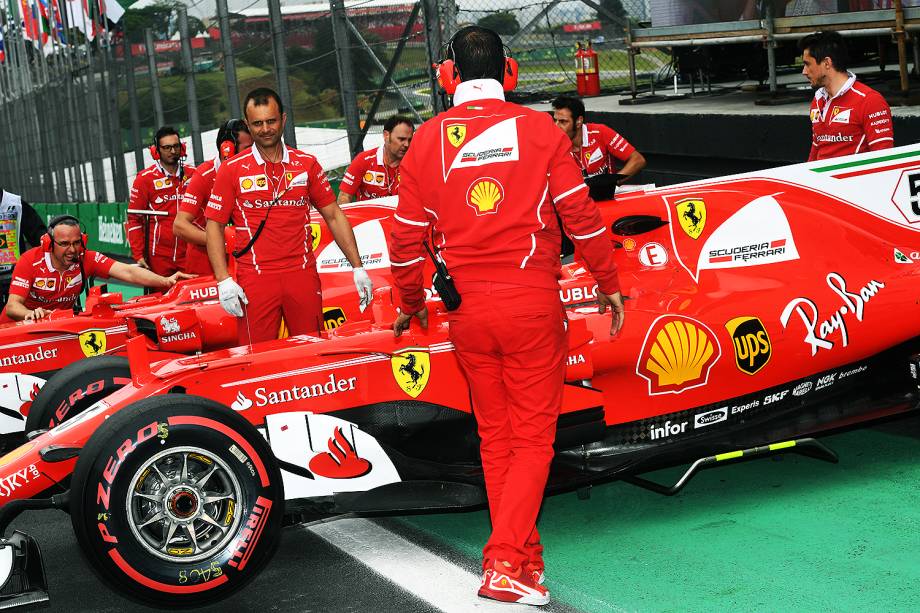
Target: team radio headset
{"type": "Point", "coordinates": [47, 242]}
{"type": "Point", "coordinates": [449, 78]}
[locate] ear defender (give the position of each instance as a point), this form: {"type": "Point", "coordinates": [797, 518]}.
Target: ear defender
{"type": "Point", "coordinates": [47, 240]}
{"type": "Point", "coordinates": [510, 74]}
{"type": "Point", "coordinates": [154, 153]}
{"type": "Point", "coordinates": [449, 76]}
{"type": "Point", "coordinates": [227, 149]}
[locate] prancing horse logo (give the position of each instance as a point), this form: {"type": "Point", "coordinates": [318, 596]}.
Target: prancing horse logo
{"type": "Point", "coordinates": [411, 369]}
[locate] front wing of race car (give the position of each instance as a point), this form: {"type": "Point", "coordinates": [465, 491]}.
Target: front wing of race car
{"type": "Point", "coordinates": [22, 573]}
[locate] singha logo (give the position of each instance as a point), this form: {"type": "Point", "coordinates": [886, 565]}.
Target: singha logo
{"type": "Point", "coordinates": [170, 326]}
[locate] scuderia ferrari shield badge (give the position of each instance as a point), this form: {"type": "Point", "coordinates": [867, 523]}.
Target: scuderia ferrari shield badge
{"type": "Point", "coordinates": [456, 133]}
{"type": "Point", "coordinates": [692, 216]}
{"type": "Point", "coordinates": [411, 369]}
{"type": "Point", "coordinates": [92, 342]}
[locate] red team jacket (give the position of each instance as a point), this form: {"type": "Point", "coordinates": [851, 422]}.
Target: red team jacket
{"type": "Point", "coordinates": [601, 145]}
{"type": "Point", "coordinates": [488, 177]}
{"type": "Point", "coordinates": [369, 177]}
{"type": "Point", "coordinates": [197, 192]}
{"type": "Point", "coordinates": [856, 120]}
{"type": "Point", "coordinates": [155, 189]}
{"type": "Point", "coordinates": [36, 280]}
{"type": "Point", "coordinates": [243, 191]}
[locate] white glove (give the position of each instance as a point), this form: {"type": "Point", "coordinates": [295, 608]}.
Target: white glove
{"type": "Point", "coordinates": [232, 297]}
{"type": "Point", "coordinates": [365, 288]}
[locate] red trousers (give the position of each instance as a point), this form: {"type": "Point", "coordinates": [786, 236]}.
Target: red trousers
{"type": "Point", "coordinates": [511, 344]}
{"type": "Point", "coordinates": [295, 294]}
{"type": "Point", "coordinates": [165, 265]}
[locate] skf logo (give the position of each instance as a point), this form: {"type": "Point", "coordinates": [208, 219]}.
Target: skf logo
{"type": "Point", "coordinates": [752, 343]}
{"type": "Point", "coordinates": [252, 183]}
{"type": "Point", "coordinates": [411, 369]}
{"type": "Point", "coordinates": [333, 317]}
{"type": "Point", "coordinates": [456, 133]}
{"type": "Point", "coordinates": [316, 231]}
{"type": "Point", "coordinates": [374, 178]}
{"type": "Point", "coordinates": [92, 342]}
{"type": "Point", "coordinates": [677, 354]}
{"type": "Point", "coordinates": [46, 283]}
{"type": "Point", "coordinates": [815, 115]}
{"type": "Point", "coordinates": [841, 115]}
{"type": "Point", "coordinates": [691, 213]}
{"type": "Point", "coordinates": [485, 195]}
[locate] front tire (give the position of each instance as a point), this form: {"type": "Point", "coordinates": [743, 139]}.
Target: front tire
{"type": "Point", "coordinates": [177, 501]}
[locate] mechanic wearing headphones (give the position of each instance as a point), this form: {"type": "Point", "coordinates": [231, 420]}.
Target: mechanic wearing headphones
{"type": "Point", "coordinates": [159, 188]}
{"type": "Point", "coordinates": [232, 138]}
{"type": "Point", "coordinates": [20, 228]}
{"type": "Point", "coordinates": [375, 173]}
{"type": "Point", "coordinates": [51, 277]}
{"type": "Point", "coordinates": [267, 191]}
{"type": "Point", "coordinates": [595, 147]}
{"type": "Point", "coordinates": [486, 178]}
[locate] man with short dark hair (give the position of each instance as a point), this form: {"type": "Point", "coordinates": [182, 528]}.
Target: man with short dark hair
{"type": "Point", "coordinates": [375, 172]}
{"type": "Point", "coordinates": [486, 180]}
{"type": "Point", "coordinates": [232, 138]}
{"type": "Point", "coordinates": [20, 229]}
{"type": "Point", "coordinates": [847, 117]}
{"type": "Point", "coordinates": [597, 148]}
{"type": "Point", "coordinates": [50, 277]}
{"type": "Point", "coordinates": [267, 192]}
{"type": "Point", "coordinates": [159, 189]}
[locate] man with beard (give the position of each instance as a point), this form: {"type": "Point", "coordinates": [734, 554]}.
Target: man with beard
{"type": "Point", "coordinates": [52, 276]}
{"type": "Point", "coordinates": [267, 193]}
{"type": "Point", "coordinates": [375, 173]}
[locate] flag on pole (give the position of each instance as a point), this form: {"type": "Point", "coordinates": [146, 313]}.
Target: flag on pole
{"type": "Point", "coordinates": [78, 17]}
{"type": "Point", "coordinates": [2, 48]}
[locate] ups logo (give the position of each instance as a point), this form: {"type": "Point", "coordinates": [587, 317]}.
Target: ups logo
{"type": "Point", "coordinates": [333, 317]}
{"type": "Point", "coordinates": [751, 343]}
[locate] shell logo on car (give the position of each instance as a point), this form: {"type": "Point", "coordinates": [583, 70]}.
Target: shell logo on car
{"type": "Point", "coordinates": [677, 354]}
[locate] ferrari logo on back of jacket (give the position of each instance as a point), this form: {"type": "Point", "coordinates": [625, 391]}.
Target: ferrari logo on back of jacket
{"type": "Point", "coordinates": [92, 342]}
{"type": "Point", "coordinates": [456, 134]}
{"type": "Point", "coordinates": [692, 216]}
{"type": "Point", "coordinates": [411, 370]}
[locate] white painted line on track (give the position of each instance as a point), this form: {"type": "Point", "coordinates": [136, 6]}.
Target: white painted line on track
{"type": "Point", "coordinates": [413, 568]}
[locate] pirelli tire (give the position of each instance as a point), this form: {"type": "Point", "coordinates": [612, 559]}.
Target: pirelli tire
{"type": "Point", "coordinates": [75, 388]}
{"type": "Point", "coordinates": [177, 501]}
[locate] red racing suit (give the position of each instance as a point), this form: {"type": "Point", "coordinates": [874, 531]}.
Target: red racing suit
{"type": "Point", "coordinates": [157, 190]}
{"type": "Point", "coordinates": [278, 273]}
{"type": "Point", "coordinates": [487, 178]}
{"type": "Point", "coordinates": [197, 192]}
{"type": "Point", "coordinates": [36, 279]}
{"type": "Point", "coordinates": [368, 176]}
{"type": "Point", "coordinates": [601, 148]}
{"type": "Point", "coordinates": [856, 120]}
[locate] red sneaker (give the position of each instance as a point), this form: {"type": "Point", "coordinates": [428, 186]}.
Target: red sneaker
{"type": "Point", "coordinates": [536, 572]}
{"type": "Point", "coordinates": [507, 585]}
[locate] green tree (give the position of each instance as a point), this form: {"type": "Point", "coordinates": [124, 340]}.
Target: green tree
{"type": "Point", "coordinates": [614, 7]}
{"type": "Point", "coordinates": [156, 17]}
{"type": "Point", "coordinates": [502, 22]}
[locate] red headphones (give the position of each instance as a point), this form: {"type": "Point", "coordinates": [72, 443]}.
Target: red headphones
{"type": "Point", "coordinates": [449, 75]}
{"type": "Point", "coordinates": [47, 239]}
{"type": "Point", "coordinates": [155, 151]}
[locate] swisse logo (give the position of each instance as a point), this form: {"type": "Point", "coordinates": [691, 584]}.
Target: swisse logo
{"type": "Point", "coordinates": [110, 231]}
{"type": "Point", "coordinates": [572, 295]}
{"type": "Point", "coordinates": [802, 388]}
{"type": "Point", "coordinates": [249, 537]}
{"type": "Point", "coordinates": [203, 293]}
{"type": "Point", "coordinates": [710, 417]}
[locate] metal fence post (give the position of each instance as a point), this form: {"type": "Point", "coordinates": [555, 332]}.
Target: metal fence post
{"type": "Point", "coordinates": [191, 94]}
{"type": "Point", "coordinates": [132, 108]}
{"type": "Point", "coordinates": [346, 76]}
{"type": "Point", "coordinates": [154, 79]}
{"type": "Point", "coordinates": [281, 70]}
{"type": "Point", "coordinates": [233, 89]}
{"type": "Point", "coordinates": [433, 49]}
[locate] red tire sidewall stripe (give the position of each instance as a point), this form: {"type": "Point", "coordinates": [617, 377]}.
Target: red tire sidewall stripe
{"type": "Point", "coordinates": [163, 587]}
{"type": "Point", "coordinates": [226, 431]}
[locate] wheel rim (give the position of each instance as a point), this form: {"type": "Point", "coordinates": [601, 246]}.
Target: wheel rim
{"type": "Point", "coordinates": [184, 504]}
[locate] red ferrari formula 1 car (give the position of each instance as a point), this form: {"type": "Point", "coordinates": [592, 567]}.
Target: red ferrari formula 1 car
{"type": "Point", "coordinates": [759, 306]}
{"type": "Point", "coordinates": [183, 321]}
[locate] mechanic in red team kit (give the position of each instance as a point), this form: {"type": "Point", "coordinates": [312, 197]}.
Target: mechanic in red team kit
{"type": "Point", "coordinates": [597, 148]}
{"type": "Point", "coordinates": [232, 138]}
{"type": "Point", "coordinates": [486, 179]}
{"type": "Point", "coordinates": [267, 192]}
{"type": "Point", "coordinates": [847, 116]}
{"type": "Point", "coordinates": [52, 276]}
{"type": "Point", "coordinates": [159, 188]}
{"type": "Point", "coordinates": [375, 172]}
